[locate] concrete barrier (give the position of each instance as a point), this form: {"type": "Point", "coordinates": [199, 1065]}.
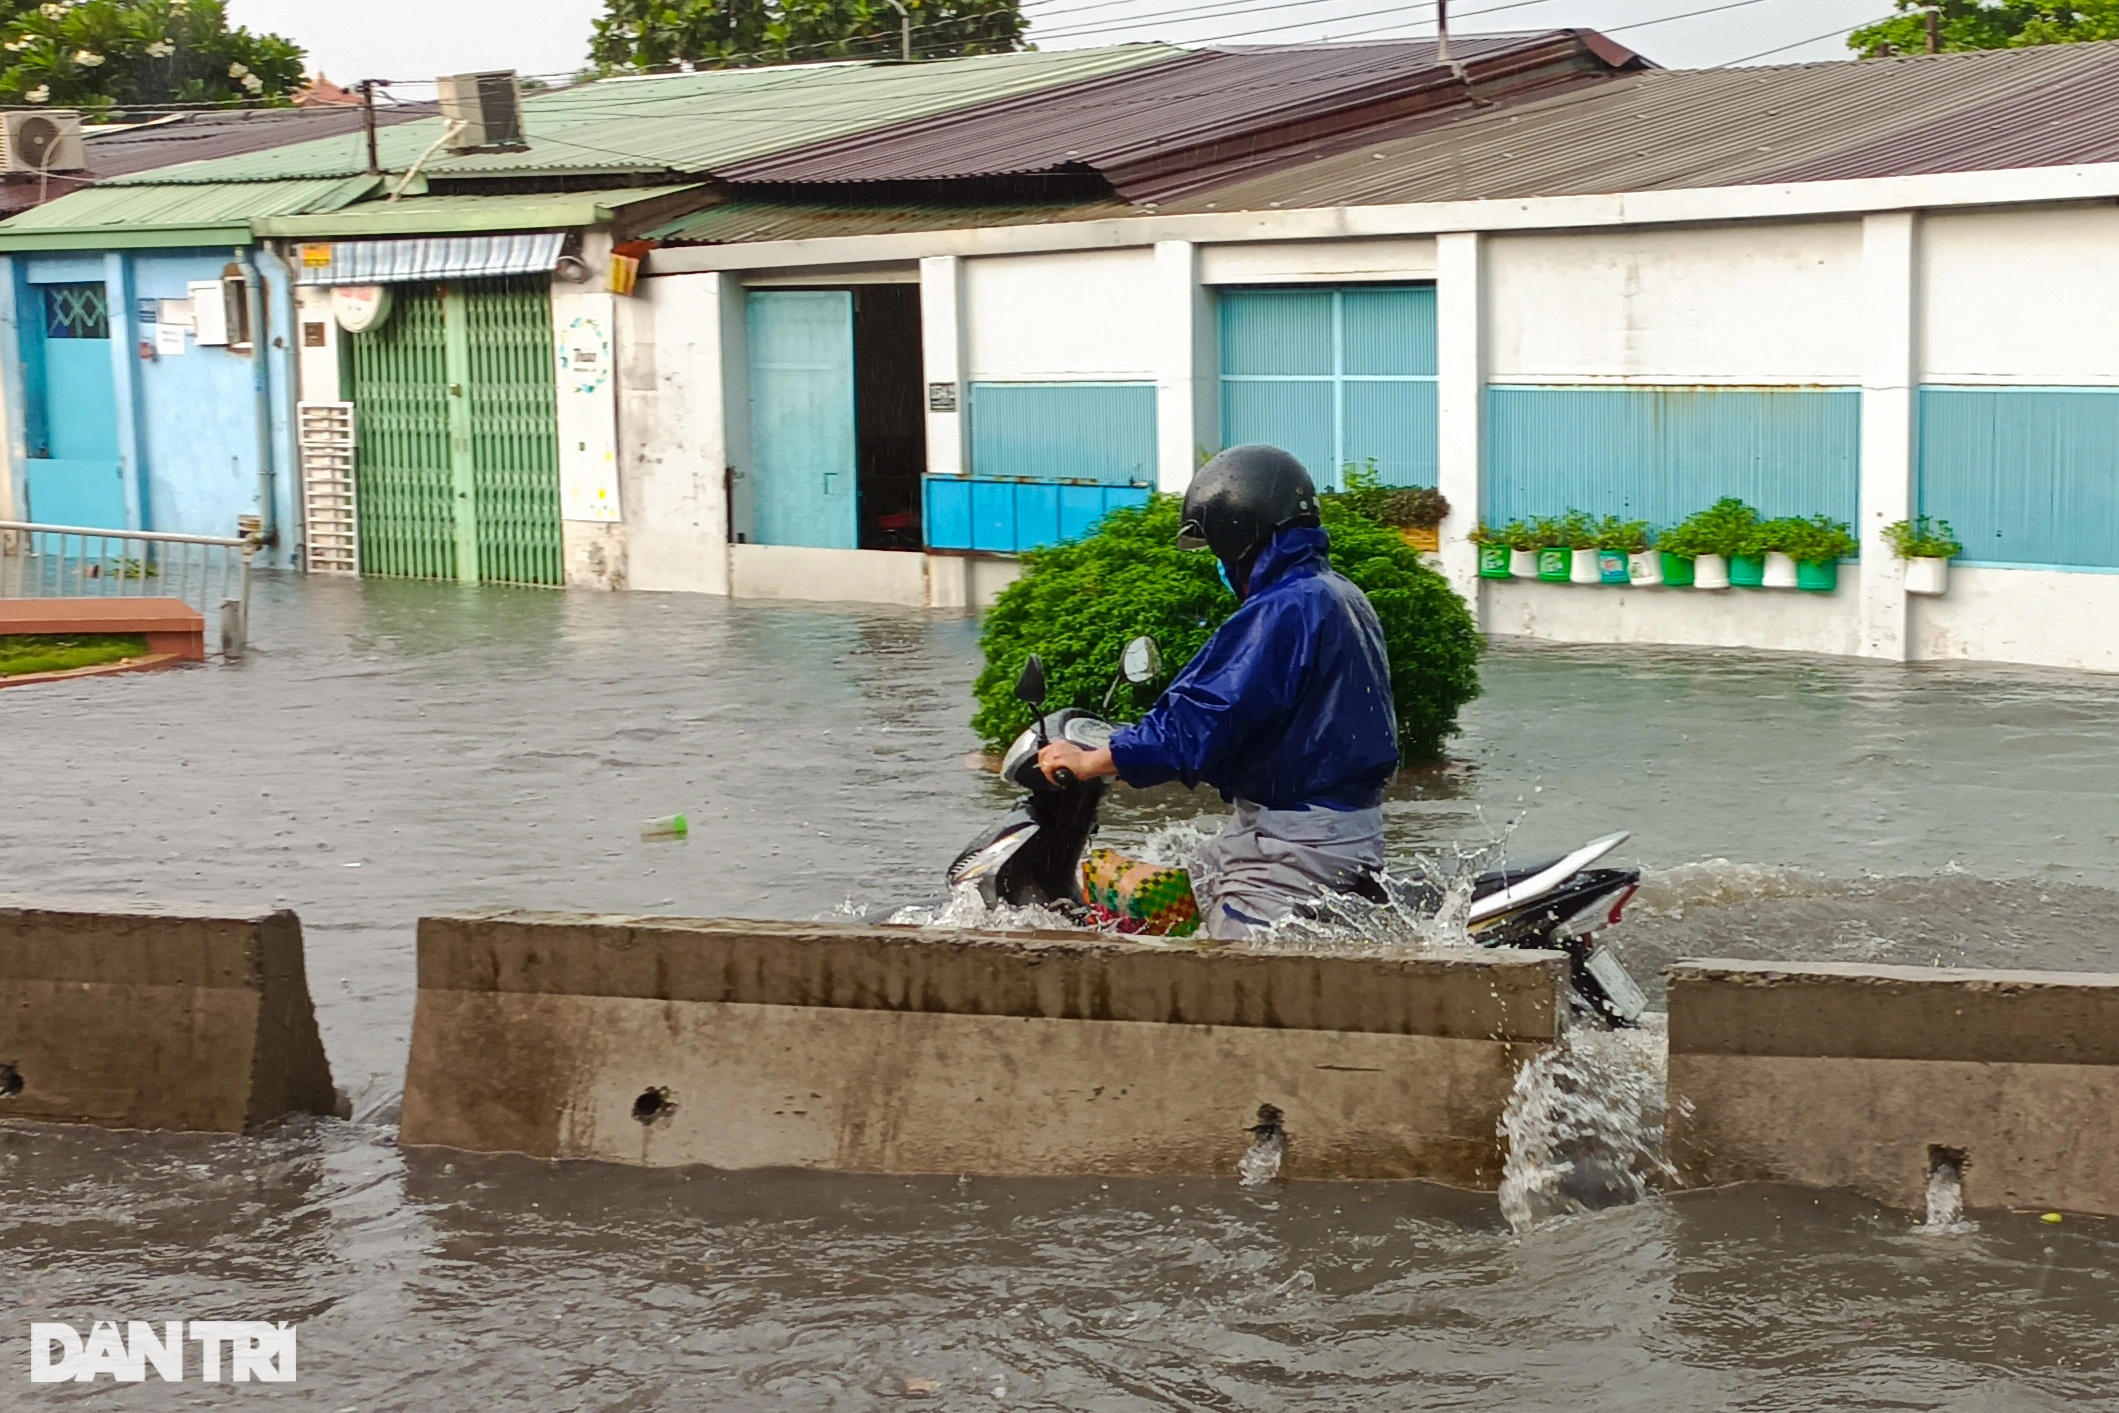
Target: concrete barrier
{"type": "Point", "coordinates": [750, 1044]}
{"type": "Point", "coordinates": [155, 1017]}
{"type": "Point", "coordinates": [1865, 1077]}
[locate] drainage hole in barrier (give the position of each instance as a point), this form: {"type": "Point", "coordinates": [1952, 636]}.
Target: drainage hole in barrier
{"type": "Point", "coordinates": [10, 1081]}
{"type": "Point", "coordinates": [653, 1104]}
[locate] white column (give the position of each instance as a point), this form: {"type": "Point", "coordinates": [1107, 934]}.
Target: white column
{"type": "Point", "coordinates": [1889, 252]}
{"type": "Point", "coordinates": [1187, 404]}
{"type": "Point", "coordinates": [942, 354]}
{"type": "Point", "coordinates": [1460, 351]}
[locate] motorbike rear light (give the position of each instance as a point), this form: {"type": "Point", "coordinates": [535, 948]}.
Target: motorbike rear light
{"type": "Point", "coordinates": [1600, 914]}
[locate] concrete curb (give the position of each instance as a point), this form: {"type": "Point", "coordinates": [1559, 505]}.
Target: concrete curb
{"type": "Point", "coordinates": [156, 1017]}
{"type": "Point", "coordinates": [742, 1044]}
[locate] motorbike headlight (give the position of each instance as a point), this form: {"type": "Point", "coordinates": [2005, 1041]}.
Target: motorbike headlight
{"type": "Point", "coordinates": [1024, 746]}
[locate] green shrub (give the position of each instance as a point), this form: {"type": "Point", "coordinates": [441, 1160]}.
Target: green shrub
{"type": "Point", "coordinates": [1922, 538]}
{"type": "Point", "coordinates": [1727, 527]}
{"type": "Point", "coordinates": [1078, 604]}
{"type": "Point", "coordinates": [1622, 536]}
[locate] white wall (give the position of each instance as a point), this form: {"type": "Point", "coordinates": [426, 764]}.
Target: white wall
{"type": "Point", "coordinates": [2044, 617]}
{"type": "Point", "coordinates": [316, 369]}
{"type": "Point", "coordinates": [2024, 296]}
{"type": "Point", "coordinates": [674, 444]}
{"type": "Point", "coordinates": [1752, 303]}
{"type": "Point", "coordinates": [1775, 620]}
{"type": "Point", "coordinates": [1085, 316]}
{"type": "Point", "coordinates": [1318, 261]}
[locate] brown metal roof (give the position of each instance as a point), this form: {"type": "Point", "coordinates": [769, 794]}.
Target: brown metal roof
{"type": "Point", "coordinates": [1671, 128]}
{"type": "Point", "coordinates": [1199, 117]}
{"type": "Point", "coordinates": [757, 220]}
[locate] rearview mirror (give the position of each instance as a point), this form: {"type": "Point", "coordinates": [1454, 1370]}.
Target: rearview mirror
{"type": "Point", "coordinates": [1030, 687]}
{"type": "Point", "coordinates": [1142, 661]}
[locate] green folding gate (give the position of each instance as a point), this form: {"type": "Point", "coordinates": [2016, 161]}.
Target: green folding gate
{"type": "Point", "coordinates": [457, 460]}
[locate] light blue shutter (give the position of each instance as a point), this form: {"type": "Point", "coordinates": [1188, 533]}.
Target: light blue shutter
{"type": "Point", "coordinates": [2024, 475]}
{"type": "Point", "coordinates": [802, 418]}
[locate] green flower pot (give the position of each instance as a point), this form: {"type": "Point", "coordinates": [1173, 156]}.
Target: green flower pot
{"type": "Point", "coordinates": [1819, 576]}
{"type": "Point", "coordinates": [1677, 571]}
{"type": "Point", "coordinates": [1493, 562]}
{"type": "Point", "coordinates": [1747, 571]}
{"type": "Point", "coordinates": [1555, 563]}
{"type": "Point", "coordinates": [1611, 567]}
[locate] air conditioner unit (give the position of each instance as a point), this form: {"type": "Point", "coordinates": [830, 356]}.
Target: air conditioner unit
{"type": "Point", "coordinates": [41, 142]}
{"type": "Point", "coordinates": [484, 111]}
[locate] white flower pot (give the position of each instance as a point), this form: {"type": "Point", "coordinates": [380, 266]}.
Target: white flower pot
{"type": "Point", "coordinates": [1780, 570]}
{"type": "Point", "coordinates": [1582, 569]}
{"type": "Point", "coordinates": [1523, 564]}
{"type": "Point", "coordinates": [1644, 569]}
{"type": "Point", "coordinates": [1710, 571]}
{"type": "Point", "coordinates": [1927, 575]}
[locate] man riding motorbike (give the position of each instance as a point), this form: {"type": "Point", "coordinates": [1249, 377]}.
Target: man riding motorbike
{"type": "Point", "coordinates": [1286, 711]}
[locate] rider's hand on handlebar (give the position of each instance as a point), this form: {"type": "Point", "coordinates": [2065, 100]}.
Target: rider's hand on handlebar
{"type": "Point", "coordinates": [1085, 765]}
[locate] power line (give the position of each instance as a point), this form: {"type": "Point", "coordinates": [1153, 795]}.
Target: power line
{"type": "Point", "coordinates": [1784, 48]}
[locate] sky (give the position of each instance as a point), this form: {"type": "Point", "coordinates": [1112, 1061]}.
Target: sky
{"type": "Point", "coordinates": [414, 40]}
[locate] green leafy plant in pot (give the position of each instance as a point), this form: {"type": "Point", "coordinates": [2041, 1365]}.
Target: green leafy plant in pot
{"type": "Point", "coordinates": [1711, 538]}
{"type": "Point", "coordinates": [1621, 546]}
{"type": "Point", "coordinates": [1814, 547]}
{"type": "Point", "coordinates": [1927, 546]}
{"type": "Point", "coordinates": [1554, 534]}
{"type": "Point", "coordinates": [1493, 542]}
{"type": "Point", "coordinates": [1521, 536]}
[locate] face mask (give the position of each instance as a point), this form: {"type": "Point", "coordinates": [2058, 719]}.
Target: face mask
{"type": "Point", "coordinates": [1236, 587]}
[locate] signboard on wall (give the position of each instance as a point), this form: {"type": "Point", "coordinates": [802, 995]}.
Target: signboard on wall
{"type": "Point", "coordinates": [587, 406]}
{"type": "Point", "coordinates": [359, 308]}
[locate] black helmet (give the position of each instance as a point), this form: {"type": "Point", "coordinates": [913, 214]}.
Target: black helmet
{"type": "Point", "coordinates": [1237, 500]}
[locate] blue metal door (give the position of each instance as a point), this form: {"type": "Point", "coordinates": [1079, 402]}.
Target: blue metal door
{"type": "Point", "coordinates": [802, 418]}
{"type": "Point", "coordinates": [74, 476]}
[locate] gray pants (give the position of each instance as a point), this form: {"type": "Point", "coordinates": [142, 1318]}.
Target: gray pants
{"type": "Point", "coordinates": [1265, 862]}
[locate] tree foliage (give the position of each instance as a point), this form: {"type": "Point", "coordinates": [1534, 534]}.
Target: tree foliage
{"type": "Point", "coordinates": [97, 54]}
{"type": "Point", "coordinates": [660, 34]}
{"type": "Point", "coordinates": [1078, 604]}
{"type": "Point", "coordinates": [1969, 24]}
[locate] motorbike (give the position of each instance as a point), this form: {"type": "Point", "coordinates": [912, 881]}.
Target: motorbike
{"type": "Point", "coordinates": [1033, 858]}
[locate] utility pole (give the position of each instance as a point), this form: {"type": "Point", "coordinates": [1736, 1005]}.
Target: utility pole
{"type": "Point", "coordinates": [1442, 31]}
{"type": "Point", "coordinates": [904, 30]}
{"type": "Point", "coordinates": [1934, 16]}
{"type": "Point", "coordinates": [368, 123]}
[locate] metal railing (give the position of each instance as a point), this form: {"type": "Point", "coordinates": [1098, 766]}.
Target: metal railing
{"type": "Point", "coordinates": [209, 572]}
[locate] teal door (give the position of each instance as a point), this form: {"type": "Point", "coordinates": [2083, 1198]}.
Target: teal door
{"type": "Point", "coordinates": [802, 418]}
{"type": "Point", "coordinates": [74, 474]}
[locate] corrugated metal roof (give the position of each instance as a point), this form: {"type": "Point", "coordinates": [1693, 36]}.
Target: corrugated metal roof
{"type": "Point", "coordinates": [748, 220]}
{"type": "Point", "coordinates": [395, 262]}
{"type": "Point", "coordinates": [450, 215]}
{"type": "Point", "coordinates": [196, 137]}
{"type": "Point", "coordinates": [1155, 131]}
{"type": "Point", "coordinates": [119, 216]}
{"type": "Point", "coordinates": [693, 123]}
{"type": "Point", "coordinates": [1727, 127]}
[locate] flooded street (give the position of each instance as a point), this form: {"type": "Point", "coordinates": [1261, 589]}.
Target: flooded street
{"type": "Point", "coordinates": [394, 749]}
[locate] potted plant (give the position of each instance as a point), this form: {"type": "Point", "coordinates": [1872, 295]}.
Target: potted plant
{"type": "Point", "coordinates": [1556, 536]}
{"type": "Point", "coordinates": [1772, 541]}
{"type": "Point", "coordinates": [1816, 546]}
{"type": "Point", "coordinates": [1717, 536]}
{"type": "Point", "coordinates": [1676, 550]}
{"type": "Point", "coordinates": [1576, 532]}
{"type": "Point", "coordinates": [1492, 541]}
{"type": "Point", "coordinates": [1927, 546]}
{"type": "Point", "coordinates": [1622, 551]}
{"type": "Point", "coordinates": [1523, 545]}
{"type": "Point", "coordinates": [1415, 512]}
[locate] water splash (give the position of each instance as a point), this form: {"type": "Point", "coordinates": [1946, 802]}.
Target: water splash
{"type": "Point", "coordinates": [1946, 1198]}
{"type": "Point", "coordinates": [1426, 907]}
{"type": "Point", "coordinates": [1260, 1163]}
{"type": "Point", "coordinates": [965, 908]}
{"type": "Point", "coordinates": [1585, 1124]}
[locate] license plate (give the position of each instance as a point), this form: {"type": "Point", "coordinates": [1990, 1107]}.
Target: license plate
{"type": "Point", "coordinates": [1611, 974]}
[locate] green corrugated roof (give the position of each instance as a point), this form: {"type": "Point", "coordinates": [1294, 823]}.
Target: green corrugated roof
{"type": "Point", "coordinates": [109, 217]}
{"type": "Point", "coordinates": [689, 123]}
{"type": "Point", "coordinates": [740, 221]}
{"type": "Point", "coordinates": [462, 215]}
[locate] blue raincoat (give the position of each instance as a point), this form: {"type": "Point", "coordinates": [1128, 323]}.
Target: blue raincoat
{"type": "Point", "coordinates": [1288, 706]}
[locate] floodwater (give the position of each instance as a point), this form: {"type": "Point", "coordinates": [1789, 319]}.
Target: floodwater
{"type": "Point", "coordinates": [396, 749]}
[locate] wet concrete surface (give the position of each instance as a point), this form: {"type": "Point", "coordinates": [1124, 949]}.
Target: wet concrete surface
{"type": "Point", "coordinates": [394, 749]}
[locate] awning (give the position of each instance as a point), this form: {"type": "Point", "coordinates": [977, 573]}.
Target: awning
{"type": "Point", "coordinates": [393, 262]}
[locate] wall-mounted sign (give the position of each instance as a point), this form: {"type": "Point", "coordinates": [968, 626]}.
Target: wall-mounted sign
{"type": "Point", "coordinates": [316, 257]}
{"type": "Point", "coordinates": [359, 308]}
{"type": "Point", "coordinates": [941, 397]}
{"type": "Point", "coordinates": [584, 355]}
